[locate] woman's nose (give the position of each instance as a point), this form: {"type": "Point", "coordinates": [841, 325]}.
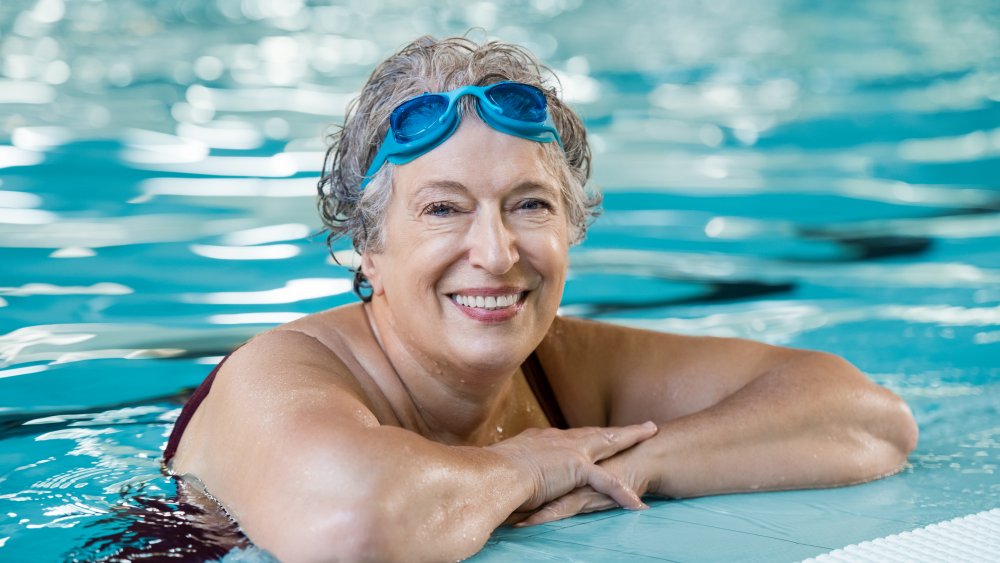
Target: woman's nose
{"type": "Point", "coordinates": [492, 245]}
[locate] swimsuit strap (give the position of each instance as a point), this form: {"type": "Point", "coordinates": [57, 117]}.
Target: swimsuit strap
{"type": "Point", "coordinates": [540, 386]}
{"type": "Point", "coordinates": [188, 411]}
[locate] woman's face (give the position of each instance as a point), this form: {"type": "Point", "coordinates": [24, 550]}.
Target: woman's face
{"type": "Point", "coordinates": [475, 254]}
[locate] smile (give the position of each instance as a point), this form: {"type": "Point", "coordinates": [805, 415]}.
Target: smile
{"type": "Point", "coordinates": [487, 302]}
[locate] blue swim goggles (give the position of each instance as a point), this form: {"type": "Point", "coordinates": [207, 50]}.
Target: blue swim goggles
{"type": "Point", "coordinates": [420, 124]}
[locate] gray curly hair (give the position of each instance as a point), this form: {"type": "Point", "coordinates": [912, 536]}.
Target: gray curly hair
{"type": "Point", "coordinates": [431, 65]}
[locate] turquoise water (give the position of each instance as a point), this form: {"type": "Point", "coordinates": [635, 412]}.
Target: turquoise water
{"type": "Point", "coordinates": [801, 173]}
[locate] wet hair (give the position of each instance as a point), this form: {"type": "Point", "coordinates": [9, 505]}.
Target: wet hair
{"type": "Point", "coordinates": [431, 65]}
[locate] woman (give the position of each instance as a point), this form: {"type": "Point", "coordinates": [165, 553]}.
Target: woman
{"type": "Point", "coordinates": [453, 399]}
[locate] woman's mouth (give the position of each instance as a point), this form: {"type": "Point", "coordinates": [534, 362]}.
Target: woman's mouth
{"type": "Point", "coordinates": [492, 308]}
{"type": "Point", "coordinates": [487, 302]}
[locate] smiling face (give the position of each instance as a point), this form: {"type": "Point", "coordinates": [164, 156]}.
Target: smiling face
{"type": "Point", "coordinates": [476, 249]}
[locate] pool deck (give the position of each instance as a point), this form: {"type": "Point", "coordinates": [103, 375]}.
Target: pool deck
{"type": "Point", "coordinates": [773, 527]}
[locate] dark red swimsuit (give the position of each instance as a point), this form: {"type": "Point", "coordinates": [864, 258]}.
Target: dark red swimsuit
{"type": "Point", "coordinates": [531, 367]}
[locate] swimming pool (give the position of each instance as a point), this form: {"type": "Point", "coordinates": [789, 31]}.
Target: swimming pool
{"type": "Point", "coordinates": [777, 170]}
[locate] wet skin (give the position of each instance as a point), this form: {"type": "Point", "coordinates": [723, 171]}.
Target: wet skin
{"type": "Point", "coordinates": [402, 429]}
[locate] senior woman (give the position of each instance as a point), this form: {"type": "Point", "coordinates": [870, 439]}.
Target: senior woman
{"type": "Point", "coordinates": [453, 399]}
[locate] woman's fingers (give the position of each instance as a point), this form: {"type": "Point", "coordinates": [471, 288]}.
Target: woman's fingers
{"type": "Point", "coordinates": [609, 484]}
{"type": "Point", "coordinates": [603, 490]}
{"type": "Point", "coordinates": [556, 462]}
{"type": "Point", "coordinates": [580, 501]}
{"type": "Point", "coordinates": [606, 442]}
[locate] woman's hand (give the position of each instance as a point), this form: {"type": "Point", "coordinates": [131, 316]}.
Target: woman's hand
{"type": "Point", "coordinates": [561, 461]}
{"type": "Point", "coordinates": [625, 467]}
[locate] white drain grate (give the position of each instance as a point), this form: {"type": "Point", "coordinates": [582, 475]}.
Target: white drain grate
{"type": "Point", "coordinates": [975, 537]}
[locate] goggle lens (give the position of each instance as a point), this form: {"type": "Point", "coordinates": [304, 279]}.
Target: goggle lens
{"type": "Point", "coordinates": [519, 101]}
{"type": "Point", "coordinates": [413, 118]}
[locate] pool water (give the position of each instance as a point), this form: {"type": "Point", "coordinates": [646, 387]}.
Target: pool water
{"type": "Point", "coordinates": [805, 174]}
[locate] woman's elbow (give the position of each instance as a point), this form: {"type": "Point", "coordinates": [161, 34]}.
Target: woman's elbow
{"type": "Point", "coordinates": [377, 525]}
{"type": "Point", "coordinates": [892, 435]}
{"type": "Point", "coordinates": [337, 535]}
{"type": "Point", "coordinates": [379, 536]}
{"type": "Point", "coordinates": [903, 432]}
{"type": "Point", "coordinates": [882, 424]}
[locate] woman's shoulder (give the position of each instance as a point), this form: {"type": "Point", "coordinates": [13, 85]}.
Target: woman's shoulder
{"type": "Point", "coordinates": [330, 349]}
{"type": "Point", "coordinates": [321, 348]}
{"type": "Point", "coordinates": [290, 388]}
{"type": "Point", "coordinates": [341, 331]}
{"type": "Point", "coordinates": [331, 327]}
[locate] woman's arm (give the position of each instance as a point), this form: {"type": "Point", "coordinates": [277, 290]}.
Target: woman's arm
{"type": "Point", "coordinates": [811, 420]}
{"type": "Point", "coordinates": [288, 443]}
{"type": "Point", "coordinates": [733, 415]}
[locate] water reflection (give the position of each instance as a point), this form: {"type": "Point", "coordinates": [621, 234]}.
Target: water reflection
{"type": "Point", "coordinates": [158, 528]}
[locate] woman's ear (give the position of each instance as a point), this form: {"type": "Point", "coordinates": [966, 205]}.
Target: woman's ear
{"type": "Point", "coordinates": [371, 271]}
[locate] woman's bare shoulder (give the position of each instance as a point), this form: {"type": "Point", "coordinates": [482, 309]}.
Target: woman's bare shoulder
{"type": "Point", "coordinates": [322, 349]}
{"type": "Point", "coordinates": [282, 406]}
{"type": "Point", "coordinates": [281, 384]}
{"type": "Point", "coordinates": [341, 329]}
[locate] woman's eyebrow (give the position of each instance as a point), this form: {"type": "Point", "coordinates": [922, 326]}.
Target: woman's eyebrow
{"type": "Point", "coordinates": [448, 186]}
{"type": "Point", "coordinates": [437, 188]}
{"type": "Point", "coordinates": [535, 185]}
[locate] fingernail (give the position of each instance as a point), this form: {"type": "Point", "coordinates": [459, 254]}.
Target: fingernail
{"type": "Point", "coordinates": [649, 424]}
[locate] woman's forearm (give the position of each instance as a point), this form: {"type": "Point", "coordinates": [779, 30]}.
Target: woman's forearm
{"type": "Point", "coordinates": [814, 421]}
{"type": "Point", "coordinates": [418, 500]}
{"type": "Point", "coordinates": [425, 502]}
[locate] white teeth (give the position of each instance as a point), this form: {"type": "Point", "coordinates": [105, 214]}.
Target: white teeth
{"type": "Point", "coordinates": [490, 302]}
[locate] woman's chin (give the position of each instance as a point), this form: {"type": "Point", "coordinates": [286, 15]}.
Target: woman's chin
{"type": "Point", "coordinates": [491, 354]}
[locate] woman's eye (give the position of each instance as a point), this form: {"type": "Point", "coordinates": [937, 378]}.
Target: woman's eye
{"type": "Point", "coordinates": [440, 209]}
{"type": "Point", "coordinates": [535, 205]}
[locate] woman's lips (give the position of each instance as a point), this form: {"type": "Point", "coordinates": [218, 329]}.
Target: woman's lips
{"type": "Point", "coordinates": [489, 305]}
